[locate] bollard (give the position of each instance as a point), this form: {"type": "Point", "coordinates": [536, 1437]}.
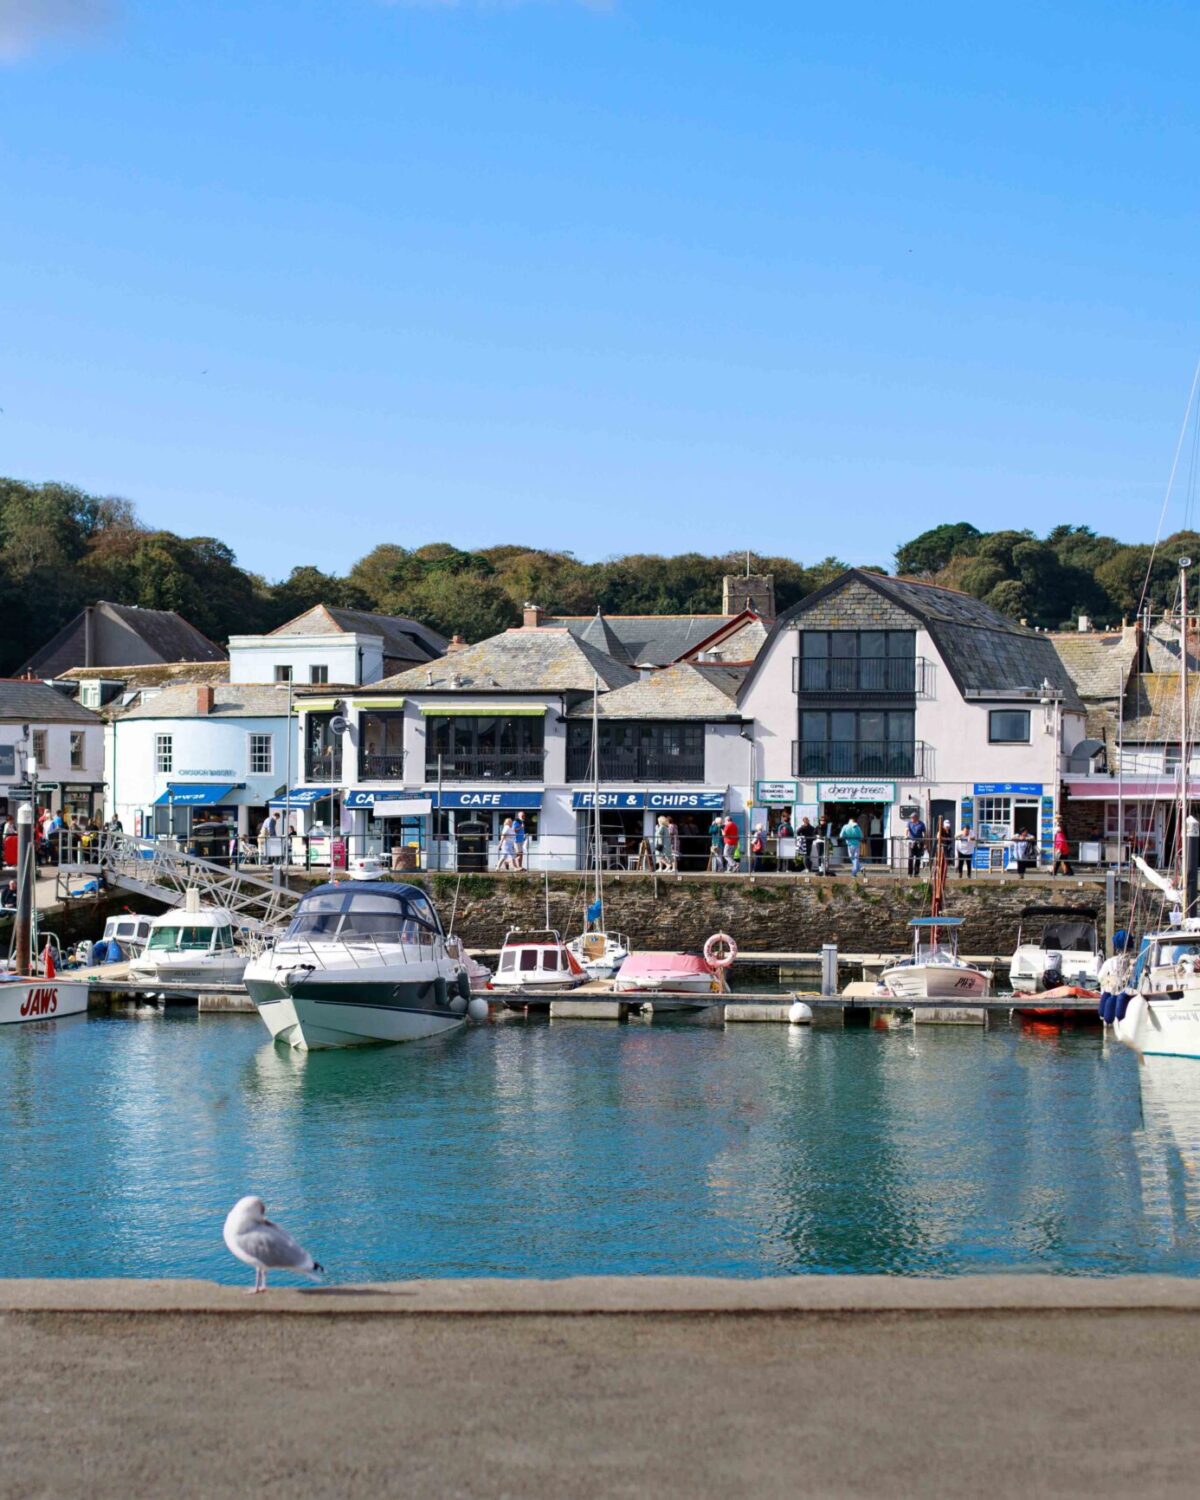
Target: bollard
{"type": "Point", "coordinates": [829, 969]}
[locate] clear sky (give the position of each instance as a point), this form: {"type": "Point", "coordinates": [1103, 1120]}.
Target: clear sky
{"type": "Point", "coordinates": [651, 275]}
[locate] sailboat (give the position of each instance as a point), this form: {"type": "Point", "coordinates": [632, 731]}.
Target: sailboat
{"type": "Point", "coordinates": [30, 989]}
{"type": "Point", "coordinates": [935, 971]}
{"type": "Point", "coordinates": [1162, 1017]}
{"type": "Point", "coordinates": [598, 952]}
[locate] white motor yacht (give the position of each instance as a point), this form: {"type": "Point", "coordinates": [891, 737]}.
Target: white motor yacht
{"type": "Point", "coordinates": [935, 971]}
{"type": "Point", "coordinates": [536, 964]}
{"type": "Point", "coordinates": [1162, 1016]}
{"type": "Point", "coordinates": [361, 963]}
{"type": "Point", "coordinates": [192, 944]}
{"type": "Point", "coordinates": [1066, 948]}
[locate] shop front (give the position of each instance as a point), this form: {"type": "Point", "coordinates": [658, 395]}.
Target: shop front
{"type": "Point", "coordinates": [307, 812]}
{"type": "Point", "coordinates": [628, 819]}
{"type": "Point", "coordinates": [186, 806]}
{"type": "Point", "coordinates": [1000, 812]}
{"type": "Point", "coordinates": [868, 802]}
{"type": "Point", "coordinates": [82, 799]}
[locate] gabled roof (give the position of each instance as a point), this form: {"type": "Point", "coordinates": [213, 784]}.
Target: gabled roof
{"type": "Point", "coordinates": [1099, 663]}
{"type": "Point", "coordinates": [984, 651]}
{"type": "Point", "coordinates": [164, 635]}
{"type": "Point", "coordinates": [530, 660]}
{"type": "Point", "coordinates": [683, 691]}
{"type": "Point", "coordinates": [403, 639]}
{"type": "Point", "coordinates": [648, 640]}
{"type": "Point", "coordinates": [23, 701]}
{"type": "Point", "coordinates": [235, 700]}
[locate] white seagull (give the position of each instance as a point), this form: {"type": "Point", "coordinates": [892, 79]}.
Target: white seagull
{"type": "Point", "coordinates": [253, 1238]}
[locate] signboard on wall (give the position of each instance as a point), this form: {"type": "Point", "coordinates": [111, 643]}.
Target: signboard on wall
{"type": "Point", "coordinates": [856, 791]}
{"type": "Point", "coordinates": [1008, 788]}
{"type": "Point", "coordinates": [652, 801]}
{"type": "Point", "coordinates": [776, 793]}
{"type": "Point", "coordinates": [482, 800]}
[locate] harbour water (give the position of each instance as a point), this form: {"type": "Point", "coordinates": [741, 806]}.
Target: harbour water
{"type": "Point", "coordinates": [552, 1149]}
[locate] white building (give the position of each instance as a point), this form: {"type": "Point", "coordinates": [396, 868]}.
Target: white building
{"type": "Point", "coordinates": [65, 740]}
{"type": "Point", "coordinates": [877, 695]}
{"type": "Point", "coordinates": [330, 645]}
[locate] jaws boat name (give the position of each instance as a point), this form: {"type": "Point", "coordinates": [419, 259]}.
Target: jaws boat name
{"type": "Point", "coordinates": [40, 1002]}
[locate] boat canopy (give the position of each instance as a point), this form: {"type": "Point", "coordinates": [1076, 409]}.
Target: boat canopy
{"type": "Point", "coordinates": [937, 921]}
{"type": "Point", "coordinates": [1076, 913]}
{"type": "Point", "coordinates": [375, 909]}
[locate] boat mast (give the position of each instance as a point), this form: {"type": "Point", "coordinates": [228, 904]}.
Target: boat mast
{"type": "Point", "coordinates": [598, 883]}
{"type": "Point", "coordinates": [1184, 564]}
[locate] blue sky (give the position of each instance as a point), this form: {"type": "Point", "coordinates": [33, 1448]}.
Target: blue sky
{"type": "Point", "coordinates": [639, 276]}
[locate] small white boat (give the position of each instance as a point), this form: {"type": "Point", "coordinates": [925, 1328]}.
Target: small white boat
{"type": "Point", "coordinates": [1067, 950]}
{"type": "Point", "coordinates": [679, 980]}
{"type": "Point", "coordinates": [1162, 1016]}
{"type": "Point", "coordinates": [192, 944]}
{"type": "Point", "coordinates": [935, 971]}
{"type": "Point", "coordinates": [599, 954]}
{"type": "Point", "coordinates": [536, 964]}
{"type": "Point", "coordinates": [360, 964]}
{"type": "Point", "coordinates": [40, 998]}
{"type": "Point", "coordinates": [130, 933]}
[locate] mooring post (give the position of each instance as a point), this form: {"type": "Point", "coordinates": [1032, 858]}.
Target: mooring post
{"type": "Point", "coordinates": [829, 969]}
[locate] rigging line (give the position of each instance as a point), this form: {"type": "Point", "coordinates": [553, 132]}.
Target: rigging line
{"type": "Point", "coordinates": [1190, 502]}
{"type": "Point", "coordinates": [1162, 515]}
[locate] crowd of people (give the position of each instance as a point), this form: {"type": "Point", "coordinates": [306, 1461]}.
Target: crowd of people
{"type": "Point", "coordinates": [53, 832]}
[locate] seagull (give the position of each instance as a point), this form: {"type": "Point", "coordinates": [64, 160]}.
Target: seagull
{"type": "Point", "coordinates": [252, 1237]}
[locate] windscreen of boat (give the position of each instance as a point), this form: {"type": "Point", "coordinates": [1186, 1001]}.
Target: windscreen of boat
{"type": "Point", "coordinates": [188, 939]}
{"type": "Point", "coordinates": [1070, 937]}
{"type": "Point", "coordinates": [350, 915]}
{"type": "Point", "coordinates": [1171, 953]}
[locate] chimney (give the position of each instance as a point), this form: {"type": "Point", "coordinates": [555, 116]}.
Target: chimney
{"type": "Point", "coordinates": [1084, 624]}
{"type": "Point", "coordinates": [89, 636]}
{"type": "Point", "coordinates": [754, 591]}
{"type": "Point", "coordinates": [533, 616]}
{"type": "Point", "coordinates": [204, 699]}
{"type": "Point", "coordinates": [457, 643]}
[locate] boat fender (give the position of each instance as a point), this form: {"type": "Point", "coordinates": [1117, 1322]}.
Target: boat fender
{"type": "Point", "coordinates": [1107, 1008]}
{"type": "Point", "coordinates": [799, 1014]}
{"type": "Point", "coordinates": [1121, 1004]}
{"type": "Point", "coordinates": [464, 984]}
{"type": "Point", "coordinates": [441, 991]}
{"type": "Point", "coordinates": [478, 1009]}
{"type": "Point", "coordinates": [1128, 1024]}
{"type": "Point", "coordinates": [720, 950]}
{"type": "Point", "coordinates": [458, 1005]}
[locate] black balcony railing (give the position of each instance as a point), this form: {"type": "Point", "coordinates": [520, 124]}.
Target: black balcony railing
{"type": "Point", "coordinates": [380, 767]}
{"type": "Point", "coordinates": [848, 674]}
{"type": "Point", "coordinates": [860, 758]}
{"type": "Point", "coordinates": [525, 765]}
{"type": "Point", "coordinates": [634, 767]}
{"type": "Point", "coordinates": [319, 767]}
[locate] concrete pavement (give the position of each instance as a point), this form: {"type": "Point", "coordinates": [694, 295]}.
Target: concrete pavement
{"type": "Point", "coordinates": [601, 1386]}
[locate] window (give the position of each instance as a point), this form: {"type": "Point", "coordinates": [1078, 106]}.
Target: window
{"type": "Point", "coordinates": [262, 755]}
{"type": "Point", "coordinates": [77, 750]}
{"type": "Point", "coordinates": [318, 674]}
{"type": "Point", "coordinates": [870, 742]}
{"type": "Point", "coordinates": [39, 746]}
{"type": "Point", "coordinates": [1008, 726]}
{"type": "Point", "coordinates": [323, 749]}
{"type": "Point", "coordinates": [89, 695]}
{"type": "Point", "coordinates": [164, 753]}
{"type": "Point", "coordinates": [282, 673]}
{"type": "Point", "coordinates": [486, 745]}
{"type": "Point", "coordinates": [636, 751]}
{"type": "Point", "coordinates": [858, 661]}
{"type": "Point", "coordinates": [381, 746]}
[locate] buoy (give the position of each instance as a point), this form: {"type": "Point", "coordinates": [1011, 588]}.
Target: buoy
{"type": "Point", "coordinates": [800, 1014]}
{"type": "Point", "coordinates": [720, 950]}
{"type": "Point", "coordinates": [478, 1009]}
{"type": "Point", "coordinates": [458, 1005]}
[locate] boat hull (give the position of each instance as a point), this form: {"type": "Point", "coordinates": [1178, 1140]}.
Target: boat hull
{"type": "Point", "coordinates": [322, 1013]}
{"type": "Point", "coordinates": [207, 970]}
{"type": "Point", "coordinates": [1162, 1025]}
{"type": "Point", "coordinates": [936, 982]}
{"type": "Point", "coordinates": [40, 999]}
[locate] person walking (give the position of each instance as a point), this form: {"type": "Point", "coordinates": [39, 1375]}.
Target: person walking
{"type": "Point", "coordinates": [805, 835]}
{"type": "Point", "coordinates": [964, 851]}
{"type": "Point", "coordinates": [8, 896]}
{"type": "Point", "coordinates": [729, 838]}
{"type": "Point", "coordinates": [672, 844]}
{"type": "Point", "coordinates": [662, 843]}
{"type": "Point", "coordinates": [715, 843]}
{"type": "Point", "coordinates": [1061, 848]}
{"type": "Point", "coordinates": [852, 837]}
{"type": "Point", "coordinates": [519, 837]}
{"type": "Point", "coordinates": [508, 846]}
{"type": "Point", "coordinates": [916, 834]}
{"type": "Point", "coordinates": [1025, 851]}
{"type": "Point", "coordinates": [757, 850]}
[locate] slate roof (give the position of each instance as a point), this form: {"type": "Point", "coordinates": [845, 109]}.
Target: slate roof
{"type": "Point", "coordinates": [683, 691]}
{"type": "Point", "coordinates": [37, 702]}
{"type": "Point", "coordinates": [166, 636]}
{"type": "Point", "coordinates": [230, 701]}
{"type": "Point", "coordinates": [1099, 663]}
{"type": "Point", "coordinates": [534, 660]}
{"type": "Point", "coordinates": [153, 674]}
{"type": "Point", "coordinates": [403, 639]}
{"type": "Point", "coordinates": [984, 651]}
{"type": "Point", "coordinates": [647, 640]}
{"type": "Point", "coordinates": [1152, 708]}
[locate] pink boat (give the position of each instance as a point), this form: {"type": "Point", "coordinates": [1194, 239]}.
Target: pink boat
{"type": "Point", "coordinates": [682, 979]}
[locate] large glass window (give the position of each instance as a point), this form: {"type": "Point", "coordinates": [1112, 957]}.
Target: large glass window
{"type": "Point", "coordinates": [323, 752]}
{"type": "Point", "coordinates": [858, 661]}
{"type": "Point", "coordinates": [381, 746]}
{"type": "Point", "coordinates": [500, 747]}
{"type": "Point", "coordinates": [1008, 726]}
{"type": "Point", "coordinates": [857, 743]}
{"type": "Point", "coordinates": [637, 751]}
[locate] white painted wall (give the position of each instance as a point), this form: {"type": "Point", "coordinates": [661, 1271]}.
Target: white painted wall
{"type": "Point", "coordinates": [57, 765]}
{"type": "Point", "coordinates": [350, 658]}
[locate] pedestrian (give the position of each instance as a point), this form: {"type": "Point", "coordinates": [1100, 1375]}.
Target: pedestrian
{"type": "Point", "coordinates": [234, 848]}
{"type": "Point", "coordinates": [508, 847]}
{"type": "Point", "coordinates": [729, 838]}
{"type": "Point", "coordinates": [8, 896]}
{"type": "Point", "coordinates": [673, 844]}
{"type": "Point", "coordinates": [783, 829]}
{"type": "Point", "coordinates": [964, 851]}
{"type": "Point", "coordinates": [116, 826]}
{"type": "Point", "coordinates": [1025, 852]}
{"type": "Point", "coordinates": [1061, 848]}
{"type": "Point", "coordinates": [915, 833]}
{"type": "Point", "coordinates": [757, 849]}
{"type": "Point", "coordinates": [662, 843]}
{"type": "Point", "coordinates": [805, 835]}
{"type": "Point", "coordinates": [518, 832]}
{"type": "Point", "coordinates": [945, 841]}
{"type": "Point", "coordinates": [716, 843]}
{"type": "Point", "coordinates": [852, 837]}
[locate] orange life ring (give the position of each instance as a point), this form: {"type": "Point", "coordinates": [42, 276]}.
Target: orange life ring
{"type": "Point", "coordinates": [710, 951]}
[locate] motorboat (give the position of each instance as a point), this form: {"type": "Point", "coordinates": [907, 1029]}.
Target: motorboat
{"type": "Point", "coordinates": [1162, 1016]}
{"type": "Point", "coordinates": [479, 974]}
{"type": "Point", "coordinates": [536, 963]}
{"type": "Point", "coordinates": [194, 944]}
{"type": "Point", "coordinates": [600, 954]}
{"type": "Point", "coordinates": [124, 937]}
{"type": "Point", "coordinates": [37, 994]}
{"type": "Point", "coordinates": [361, 963]}
{"type": "Point", "coordinates": [935, 971]}
{"type": "Point", "coordinates": [40, 997]}
{"type": "Point", "coordinates": [679, 980]}
{"type": "Point", "coordinates": [1065, 952]}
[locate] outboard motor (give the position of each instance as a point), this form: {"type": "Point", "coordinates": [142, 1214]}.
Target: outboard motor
{"type": "Point", "coordinates": [1052, 975]}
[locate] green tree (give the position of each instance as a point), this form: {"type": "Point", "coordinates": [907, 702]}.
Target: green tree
{"type": "Point", "coordinates": [933, 549]}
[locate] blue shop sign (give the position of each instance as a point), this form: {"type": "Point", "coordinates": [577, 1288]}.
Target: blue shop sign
{"type": "Point", "coordinates": [483, 800]}
{"type": "Point", "coordinates": [193, 794]}
{"type": "Point", "coordinates": [654, 801]}
{"type": "Point", "coordinates": [1008, 788]}
{"type": "Point", "coordinates": [302, 796]}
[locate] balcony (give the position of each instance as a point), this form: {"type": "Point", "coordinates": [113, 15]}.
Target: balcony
{"type": "Point", "coordinates": [324, 767]}
{"type": "Point", "coordinates": [861, 676]}
{"type": "Point", "coordinates": [525, 765]}
{"type": "Point", "coordinates": [380, 767]}
{"type": "Point", "coordinates": [634, 767]}
{"type": "Point", "coordinates": [862, 758]}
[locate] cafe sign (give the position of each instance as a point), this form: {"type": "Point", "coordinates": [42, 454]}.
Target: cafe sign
{"type": "Point", "coordinates": [856, 791]}
{"type": "Point", "coordinates": [776, 793]}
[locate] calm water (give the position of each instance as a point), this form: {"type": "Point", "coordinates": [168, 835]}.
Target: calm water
{"type": "Point", "coordinates": [529, 1148]}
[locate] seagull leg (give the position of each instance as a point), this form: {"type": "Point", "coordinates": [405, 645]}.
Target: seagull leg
{"type": "Point", "coordinates": [260, 1282]}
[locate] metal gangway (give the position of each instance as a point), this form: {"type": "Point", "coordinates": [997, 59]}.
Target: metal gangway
{"type": "Point", "coordinates": [152, 868]}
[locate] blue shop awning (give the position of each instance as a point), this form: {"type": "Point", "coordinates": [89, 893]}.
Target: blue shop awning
{"type": "Point", "coordinates": [195, 794]}
{"type": "Point", "coordinates": [302, 796]}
